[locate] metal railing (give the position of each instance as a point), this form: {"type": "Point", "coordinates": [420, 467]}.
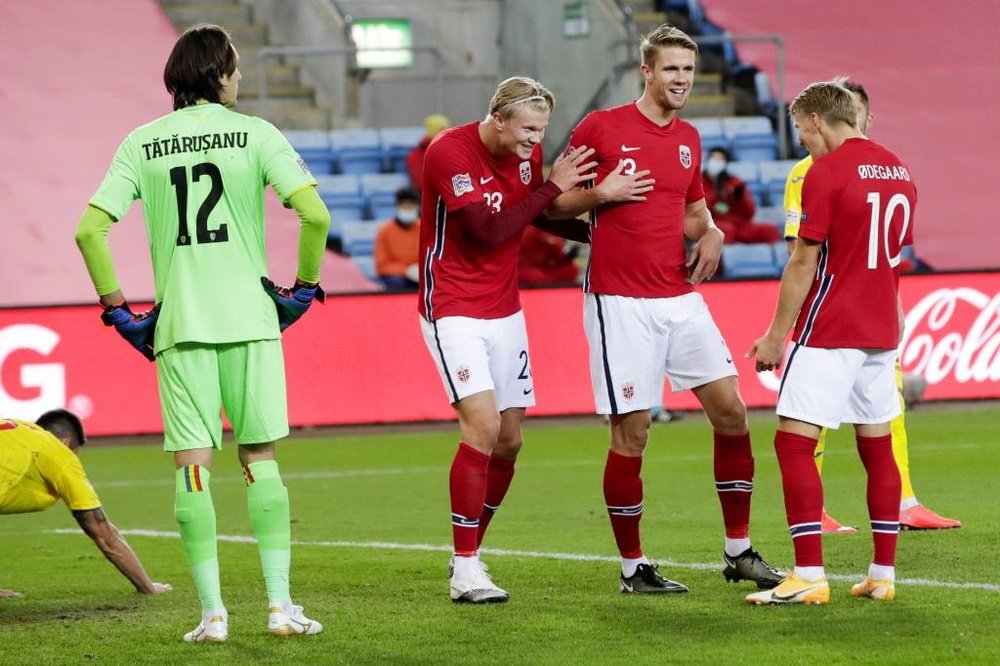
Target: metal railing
{"type": "Point", "coordinates": [349, 53]}
{"type": "Point", "coordinates": [779, 83]}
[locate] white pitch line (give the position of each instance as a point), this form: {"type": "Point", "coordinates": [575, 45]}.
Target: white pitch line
{"type": "Point", "coordinates": [573, 557]}
{"type": "Point", "coordinates": [167, 480]}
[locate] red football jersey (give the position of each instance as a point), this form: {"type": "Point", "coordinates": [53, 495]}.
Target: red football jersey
{"type": "Point", "coordinates": [858, 201]}
{"type": "Point", "coordinates": [459, 277]}
{"type": "Point", "coordinates": [637, 248]}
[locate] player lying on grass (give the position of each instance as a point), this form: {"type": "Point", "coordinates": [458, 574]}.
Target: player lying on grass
{"type": "Point", "coordinates": [38, 466]}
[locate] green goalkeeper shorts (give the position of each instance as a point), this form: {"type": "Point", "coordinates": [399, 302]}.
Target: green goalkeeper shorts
{"type": "Point", "coordinates": [197, 381]}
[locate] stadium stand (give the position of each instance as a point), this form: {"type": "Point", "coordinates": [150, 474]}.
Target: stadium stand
{"type": "Point", "coordinates": [741, 260]}
{"type": "Point", "coordinates": [397, 142]}
{"type": "Point", "coordinates": [313, 146]}
{"type": "Point", "coordinates": [380, 191]}
{"type": "Point", "coordinates": [342, 195]}
{"type": "Point", "coordinates": [356, 151]}
{"type": "Point", "coordinates": [358, 238]}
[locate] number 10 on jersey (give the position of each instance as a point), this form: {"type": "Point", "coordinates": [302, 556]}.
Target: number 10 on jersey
{"type": "Point", "coordinates": [896, 201]}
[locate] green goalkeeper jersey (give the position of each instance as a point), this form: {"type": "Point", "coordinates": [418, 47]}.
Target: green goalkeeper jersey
{"type": "Point", "coordinates": [201, 172]}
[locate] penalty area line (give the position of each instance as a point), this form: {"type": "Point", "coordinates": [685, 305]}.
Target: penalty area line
{"type": "Point", "coordinates": [571, 557]}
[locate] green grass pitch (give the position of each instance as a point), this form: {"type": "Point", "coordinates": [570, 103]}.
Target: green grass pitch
{"type": "Point", "coordinates": [370, 519]}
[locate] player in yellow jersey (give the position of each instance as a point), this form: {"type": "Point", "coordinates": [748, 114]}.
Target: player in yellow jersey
{"type": "Point", "coordinates": [39, 466]}
{"type": "Point", "coordinates": [912, 514]}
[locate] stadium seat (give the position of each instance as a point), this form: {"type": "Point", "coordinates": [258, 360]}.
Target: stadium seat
{"type": "Point", "coordinates": [358, 238]}
{"type": "Point", "coordinates": [313, 146]}
{"type": "Point", "coordinates": [397, 142]}
{"type": "Point", "coordinates": [748, 260]}
{"type": "Point", "coordinates": [356, 151]}
{"type": "Point", "coordinates": [775, 171]}
{"type": "Point", "coordinates": [750, 173]}
{"type": "Point", "coordinates": [771, 215]}
{"type": "Point", "coordinates": [380, 191]}
{"type": "Point", "coordinates": [711, 133]}
{"type": "Point", "coordinates": [367, 265]}
{"type": "Point", "coordinates": [780, 250]}
{"type": "Point", "coordinates": [342, 195]}
{"type": "Point", "coordinates": [752, 137]}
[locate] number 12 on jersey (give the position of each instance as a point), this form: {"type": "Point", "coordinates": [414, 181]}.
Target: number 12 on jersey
{"type": "Point", "coordinates": [178, 178]}
{"type": "Point", "coordinates": [885, 216]}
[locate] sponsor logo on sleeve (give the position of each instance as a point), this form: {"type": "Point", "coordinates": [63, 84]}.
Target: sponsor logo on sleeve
{"type": "Point", "coordinates": [525, 172]}
{"type": "Point", "coordinates": [461, 183]}
{"type": "Point", "coordinates": [685, 157]}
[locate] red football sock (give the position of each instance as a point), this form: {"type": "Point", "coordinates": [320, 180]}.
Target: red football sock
{"type": "Point", "coordinates": [623, 495]}
{"type": "Point", "coordinates": [468, 489]}
{"type": "Point", "coordinates": [734, 482]}
{"type": "Point", "coordinates": [883, 491]}
{"type": "Point", "coordinates": [803, 496]}
{"type": "Point", "coordinates": [498, 477]}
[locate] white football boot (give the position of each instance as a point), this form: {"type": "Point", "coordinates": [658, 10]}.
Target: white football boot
{"type": "Point", "coordinates": [213, 628]}
{"type": "Point", "coordinates": [288, 620]}
{"type": "Point", "coordinates": [471, 584]}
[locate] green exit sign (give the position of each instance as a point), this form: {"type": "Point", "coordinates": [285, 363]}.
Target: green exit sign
{"type": "Point", "coordinates": [383, 42]}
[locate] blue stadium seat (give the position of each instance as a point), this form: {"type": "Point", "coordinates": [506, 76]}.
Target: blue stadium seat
{"type": "Point", "coordinates": [759, 148]}
{"type": "Point", "coordinates": [380, 191]}
{"type": "Point", "coordinates": [313, 146]}
{"type": "Point", "coordinates": [749, 260]}
{"type": "Point", "coordinates": [751, 137]}
{"type": "Point", "coordinates": [358, 238]}
{"type": "Point", "coordinates": [750, 173]}
{"type": "Point", "coordinates": [342, 195]}
{"type": "Point", "coordinates": [711, 133]}
{"type": "Point", "coordinates": [356, 151]}
{"type": "Point", "coordinates": [771, 215]}
{"type": "Point", "coordinates": [780, 250]}
{"type": "Point", "coordinates": [397, 142]}
{"type": "Point", "coordinates": [367, 265]}
{"type": "Point", "coordinates": [773, 172]}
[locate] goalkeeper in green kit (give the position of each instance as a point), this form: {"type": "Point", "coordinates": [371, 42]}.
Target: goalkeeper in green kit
{"type": "Point", "coordinates": [214, 331]}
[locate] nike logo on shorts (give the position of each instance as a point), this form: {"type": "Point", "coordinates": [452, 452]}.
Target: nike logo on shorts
{"type": "Point", "coordinates": [629, 149]}
{"type": "Point", "coordinates": [528, 390]}
{"type": "Point", "coordinates": [483, 181]}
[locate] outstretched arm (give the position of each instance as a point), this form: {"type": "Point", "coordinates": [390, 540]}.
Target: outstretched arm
{"type": "Point", "coordinates": [107, 538]}
{"type": "Point", "coordinates": [795, 284]}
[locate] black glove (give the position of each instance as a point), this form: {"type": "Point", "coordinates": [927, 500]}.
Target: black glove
{"type": "Point", "coordinates": [137, 329]}
{"type": "Point", "coordinates": [292, 302]}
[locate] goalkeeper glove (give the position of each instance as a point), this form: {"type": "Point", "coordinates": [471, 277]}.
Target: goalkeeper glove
{"type": "Point", "coordinates": [292, 302]}
{"type": "Point", "coordinates": [137, 329]}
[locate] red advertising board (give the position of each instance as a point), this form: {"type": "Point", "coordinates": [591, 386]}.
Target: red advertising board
{"type": "Point", "coordinates": [362, 359]}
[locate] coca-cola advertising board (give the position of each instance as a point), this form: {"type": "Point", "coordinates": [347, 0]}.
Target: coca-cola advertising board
{"type": "Point", "coordinates": [362, 359]}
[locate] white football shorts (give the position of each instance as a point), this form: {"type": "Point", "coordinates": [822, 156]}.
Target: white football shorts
{"type": "Point", "coordinates": [475, 355]}
{"type": "Point", "coordinates": [634, 341]}
{"type": "Point", "coordinates": [827, 387]}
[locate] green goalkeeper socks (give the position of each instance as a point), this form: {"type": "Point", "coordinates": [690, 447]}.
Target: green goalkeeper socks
{"type": "Point", "coordinates": [196, 521]}
{"type": "Point", "coordinates": [267, 500]}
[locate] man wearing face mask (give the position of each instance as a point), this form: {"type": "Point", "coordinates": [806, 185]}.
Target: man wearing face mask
{"type": "Point", "coordinates": [397, 244]}
{"type": "Point", "coordinates": [731, 204]}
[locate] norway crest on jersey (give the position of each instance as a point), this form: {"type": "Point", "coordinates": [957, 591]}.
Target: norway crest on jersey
{"type": "Point", "coordinates": [685, 157]}
{"type": "Point", "coordinates": [525, 172]}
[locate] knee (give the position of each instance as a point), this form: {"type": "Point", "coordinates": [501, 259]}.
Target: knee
{"type": "Point", "coordinates": [730, 417]}
{"type": "Point", "coordinates": [631, 437]}
{"type": "Point", "coordinates": [482, 431]}
{"type": "Point", "coordinates": [508, 446]}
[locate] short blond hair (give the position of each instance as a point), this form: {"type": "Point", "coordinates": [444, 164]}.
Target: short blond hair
{"type": "Point", "coordinates": [661, 37]}
{"type": "Point", "coordinates": [830, 100]}
{"type": "Point", "coordinates": [519, 92]}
